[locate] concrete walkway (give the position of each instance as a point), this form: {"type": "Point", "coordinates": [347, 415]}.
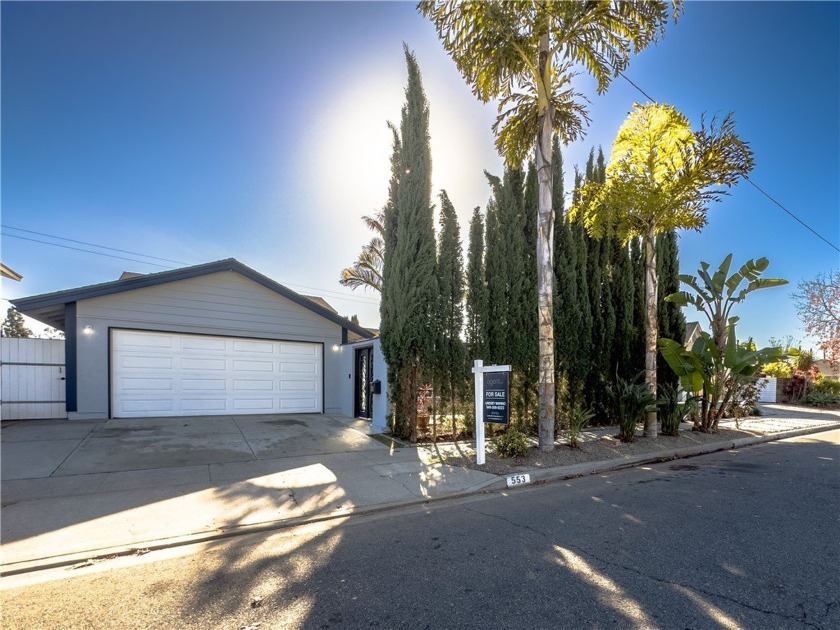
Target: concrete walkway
{"type": "Point", "coordinates": [76, 511]}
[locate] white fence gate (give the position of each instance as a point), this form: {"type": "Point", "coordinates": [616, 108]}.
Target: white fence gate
{"type": "Point", "coordinates": [768, 394]}
{"type": "Point", "coordinates": [32, 379]}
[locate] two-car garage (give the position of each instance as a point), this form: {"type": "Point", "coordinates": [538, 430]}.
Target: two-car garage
{"type": "Point", "coordinates": [213, 339]}
{"type": "Point", "coordinates": [171, 374]}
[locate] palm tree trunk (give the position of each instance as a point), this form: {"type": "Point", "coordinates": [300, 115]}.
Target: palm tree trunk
{"type": "Point", "coordinates": [651, 329]}
{"type": "Point", "coordinates": [545, 270]}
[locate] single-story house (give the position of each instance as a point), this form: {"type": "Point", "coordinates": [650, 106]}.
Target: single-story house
{"type": "Point", "coordinates": [212, 339]}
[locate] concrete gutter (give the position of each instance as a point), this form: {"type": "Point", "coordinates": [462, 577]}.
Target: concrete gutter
{"type": "Point", "coordinates": [546, 475]}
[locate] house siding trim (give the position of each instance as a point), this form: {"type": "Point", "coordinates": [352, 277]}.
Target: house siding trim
{"type": "Point", "coordinates": [70, 349]}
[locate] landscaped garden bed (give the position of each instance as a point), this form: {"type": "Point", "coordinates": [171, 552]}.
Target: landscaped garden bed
{"type": "Point", "coordinates": [593, 448]}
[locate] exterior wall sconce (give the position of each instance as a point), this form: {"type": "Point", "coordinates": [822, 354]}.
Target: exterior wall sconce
{"type": "Point", "coordinates": [88, 330]}
{"type": "Point", "coordinates": [336, 347]}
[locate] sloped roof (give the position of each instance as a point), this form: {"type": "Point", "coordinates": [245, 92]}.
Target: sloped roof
{"type": "Point", "coordinates": [49, 307]}
{"type": "Point", "coordinates": [321, 302]}
{"type": "Point", "coordinates": [8, 272]}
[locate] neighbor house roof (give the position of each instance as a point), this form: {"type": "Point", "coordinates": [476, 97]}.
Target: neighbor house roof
{"type": "Point", "coordinates": [692, 331]}
{"type": "Point", "coordinates": [321, 302]}
{"type": "Point", "coordinates": [7, 272]}
{"type": "Point", "coordinates": [49, 307]}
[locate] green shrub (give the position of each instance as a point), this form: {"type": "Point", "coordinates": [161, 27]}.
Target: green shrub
{"type": "Point", "coordinates": [673, 411]}
{"type": "Point", "coordinates": [631, 400]}
{"type": "Point", "coordinates": [819, 399]}
{"type": "Point", "coordinates": [827, 386]}
{"type": "Point", "coordinates": [511, 443]}
{"type": "Point", "coordinates": [578, 419]}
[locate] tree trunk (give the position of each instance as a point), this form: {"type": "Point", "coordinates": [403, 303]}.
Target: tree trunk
{"type": "Point", "coordinates": [545, 267]}
{"type": "Point", "coordinates": [651, 327]}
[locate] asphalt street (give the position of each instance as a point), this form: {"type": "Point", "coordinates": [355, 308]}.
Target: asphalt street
{"type": "Point", "coordinates": [738, 539]}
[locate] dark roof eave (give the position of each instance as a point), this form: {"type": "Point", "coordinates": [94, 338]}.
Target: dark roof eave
{"type": "Point", "coordinates": [33, 304]}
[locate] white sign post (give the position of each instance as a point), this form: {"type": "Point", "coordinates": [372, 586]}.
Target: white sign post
{"type": "Point", "coordinates": [479, 370]}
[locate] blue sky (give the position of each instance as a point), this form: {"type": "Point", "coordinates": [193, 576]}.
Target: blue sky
{"type": "Point", "coordinates": [199, 131]}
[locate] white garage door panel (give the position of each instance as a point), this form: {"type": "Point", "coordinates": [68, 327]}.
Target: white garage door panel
{"type": "Point", "coordinates": [171, 374]}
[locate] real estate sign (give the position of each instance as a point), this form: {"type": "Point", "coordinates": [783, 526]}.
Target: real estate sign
{"type": "Point", "coordinates": [497, 397]}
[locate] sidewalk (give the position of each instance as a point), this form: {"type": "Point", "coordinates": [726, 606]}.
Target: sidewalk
{"type": "Point", "coordinates": [64, 520]}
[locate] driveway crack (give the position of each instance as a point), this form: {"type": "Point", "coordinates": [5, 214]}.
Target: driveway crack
{"type": "Point", "coordinates": [236, 424]}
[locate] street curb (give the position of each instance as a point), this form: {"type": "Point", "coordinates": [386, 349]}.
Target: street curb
{"type": "Point", "coordinates": [546, 475]}
{"type": "Point", "coordinates": [590, 468]}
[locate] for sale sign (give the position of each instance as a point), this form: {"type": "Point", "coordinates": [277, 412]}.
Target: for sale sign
{"type": "Point", "coordinates": [497, 397]}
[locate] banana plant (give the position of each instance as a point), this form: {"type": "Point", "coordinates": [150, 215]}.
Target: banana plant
{"type": "Point", "coordinates": [713, 374]}
{"type": "Point", "coordinates": [715, 293]}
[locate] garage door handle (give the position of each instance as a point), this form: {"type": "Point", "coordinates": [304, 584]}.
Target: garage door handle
{"type": "Point", "coordinates": [62, 378]}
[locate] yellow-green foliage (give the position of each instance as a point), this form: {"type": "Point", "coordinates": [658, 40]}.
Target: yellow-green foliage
{"type": "Point", "coordinates": [662, 175]}
{"type": "Point", "coordinates": [778, 369]}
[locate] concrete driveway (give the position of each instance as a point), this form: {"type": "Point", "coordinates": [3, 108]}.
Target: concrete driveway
{"type": "Point", "coordinates": [73, 489]}
{"type": "Point", "coordinates": [38, 449]}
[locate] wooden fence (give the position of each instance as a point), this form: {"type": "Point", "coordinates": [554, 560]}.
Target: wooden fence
{"type": "Point", "coordinates": [32, 379]}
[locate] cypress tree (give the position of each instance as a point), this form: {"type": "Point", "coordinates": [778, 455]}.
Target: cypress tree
{"type": "Point", "coordinates": [476, 290]}
{"type": "Point", "coordinates": [566, 308]}
{"type": "Point", "coordinates": [407, 338]}
{"type": "Point", "coordinates": [671, 319]}
{"type": "Point", "coordinates": [495, 281]}
{"type": "Point", "coordinates": [530, 299]}
{"type": "Point", "coordinates": [596, 279]}
{"type": "Point", "coordinates": [581, 362]}
{"type": "Point", "coordinates": [450, 355]}
{"type": "Point", "coordinates": [623, 295]}
{"type": "Point", "coordinates": [518, 317]}
{"type": "Point", "coordinates": [638, 265]}
{"type": "Point", "coordinates": [388, 302]}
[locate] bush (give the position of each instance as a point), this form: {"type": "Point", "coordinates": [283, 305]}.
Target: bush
{"type": "Point", "coordinates": [802, 383]}
{"type": "Point", "coordinates": [819, 399]}
{"type": "Point", "coordinates": [827, 386]}
{"type": "Point", "coordinates": [578, 418]}
{"type": "Point", "coordinates": [511, 443]}
{"type": "Point", "coordinates": [744, 402]}
{"type": "Point", "coordinates": [631, 400]}
{"type": "Point", "coordinates": [672, 411]}
{"type": "Point", "coordinates": [778, 369]}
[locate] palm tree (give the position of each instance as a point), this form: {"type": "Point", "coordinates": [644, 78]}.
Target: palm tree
{"type": "Point", "coordinates": [367, 270]}
{"type": "Point", "coordinates": [662, 176]}
{"type": "Point", "coordinates": [523, 53]}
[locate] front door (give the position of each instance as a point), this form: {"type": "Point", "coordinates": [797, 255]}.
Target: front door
{"type": "Point", "coordinates": [364, 377]}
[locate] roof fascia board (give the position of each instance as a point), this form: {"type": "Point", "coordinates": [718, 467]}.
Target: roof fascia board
{"type": "Point", "coordinates": [119, 286]}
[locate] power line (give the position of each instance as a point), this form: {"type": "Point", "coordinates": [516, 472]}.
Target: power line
{"type": "Point", "coordinates": [87, 251]}
{"type": "Point", "coordinates": [335, 294]}
{"type": "Point", "coordinates": [766, 194]}
{"type": "Point", "coordinates": [754, 185]}
{"type": "Point", "coordinates": [114, 249]}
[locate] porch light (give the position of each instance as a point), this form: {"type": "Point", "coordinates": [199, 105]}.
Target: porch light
{"type": "Point", "coordinates": [336, 347]}
{"type": "Point", "coordinates": [88, 330]}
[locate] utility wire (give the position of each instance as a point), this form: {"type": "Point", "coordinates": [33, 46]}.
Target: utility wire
{"type": "Point", "coordinates": [113, 249]}
{"type": "Point", "coordinates": [817, 234]}
{"type": "Point", "coordinates": [87, 251]}
{"type": "Point", "coordinates": [335, 294]}
{"type": "Point", "coordinates": [754, 185]}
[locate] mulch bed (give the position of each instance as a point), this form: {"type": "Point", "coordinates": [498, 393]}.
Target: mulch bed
{"type": "Point", "coordinates": [593, 451]}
